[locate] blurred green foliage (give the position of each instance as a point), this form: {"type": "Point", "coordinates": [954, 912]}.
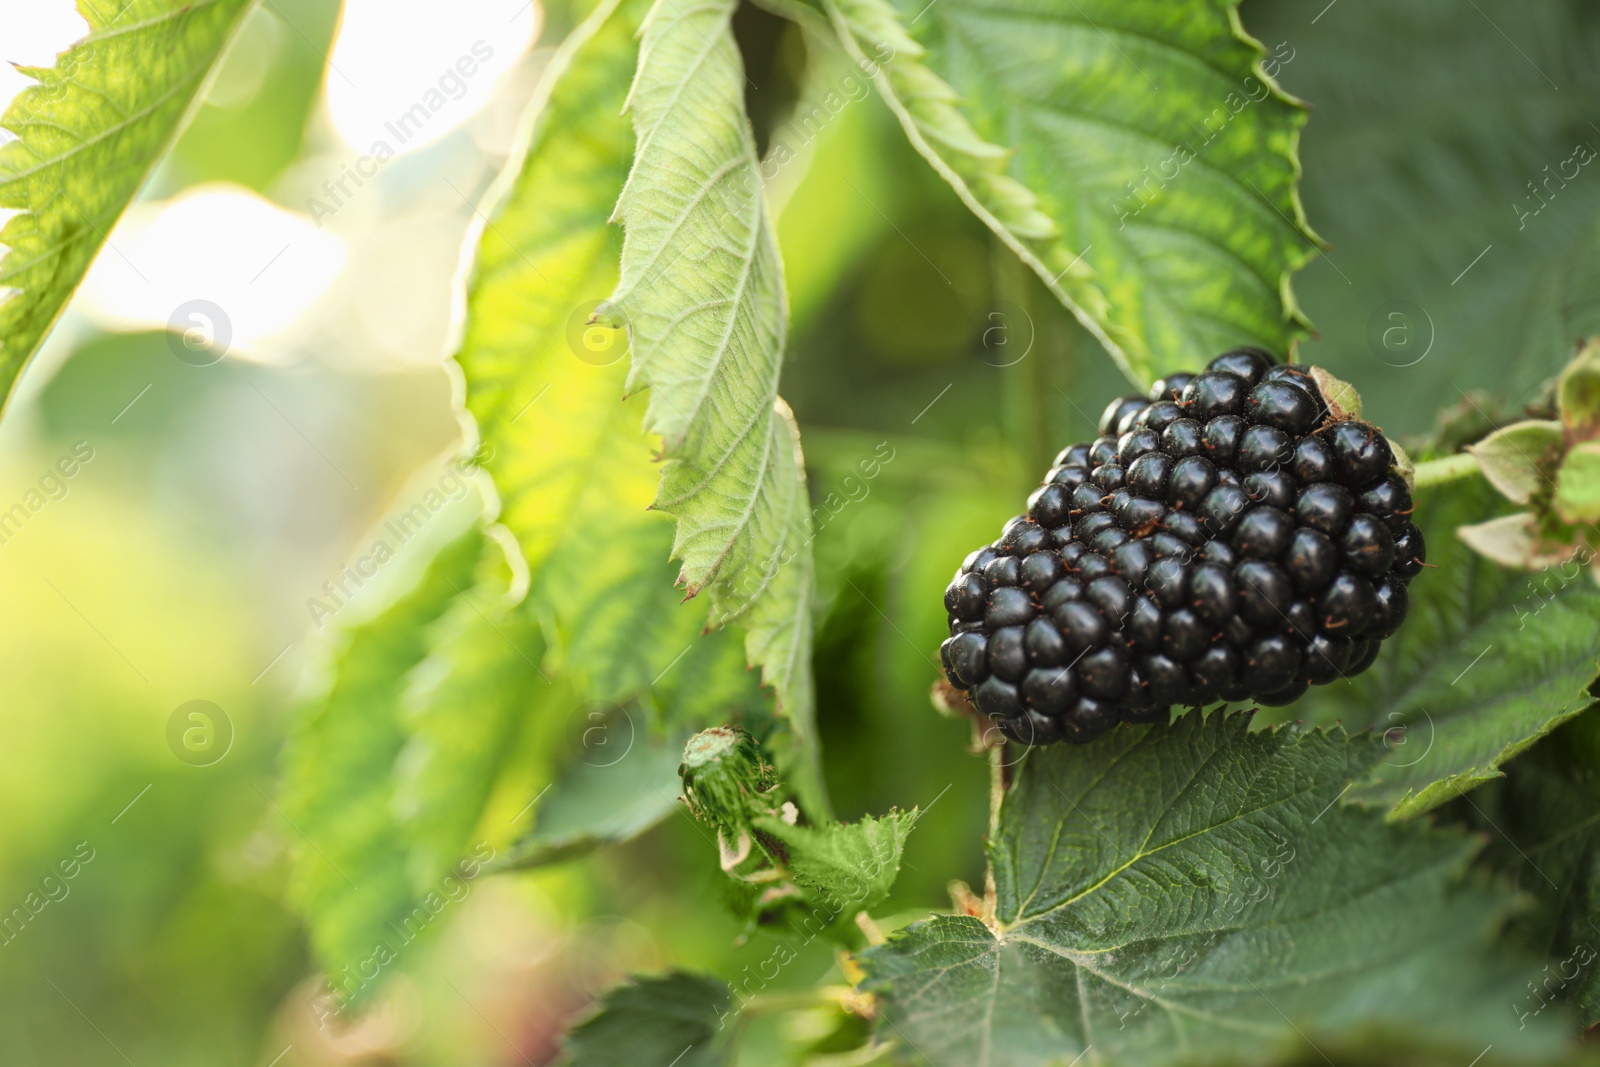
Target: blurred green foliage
{"type": "Point", "coordinates": [178, 564]}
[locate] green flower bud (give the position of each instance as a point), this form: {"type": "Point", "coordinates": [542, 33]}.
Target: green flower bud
{"type": "Point", "coordinates": [726, 780]}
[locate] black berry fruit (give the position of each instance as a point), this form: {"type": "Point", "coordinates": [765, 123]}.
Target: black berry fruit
{"type": "Point", "coordinates": [1225, 538]}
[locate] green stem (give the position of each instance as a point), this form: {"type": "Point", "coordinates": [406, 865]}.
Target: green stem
{"type": "Point", "coordinates": [1446, 469]}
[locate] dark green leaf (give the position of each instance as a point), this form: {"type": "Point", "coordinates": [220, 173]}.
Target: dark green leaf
{"type": "Point", "coordinates": [1197, 893]}
{"type": "Point", "coordinates": [1488, 661]}
{"type": "Point", "coordinates": [672, 1021]}
{"type": "Point", "coordinates": [1450, 162]}
{"type": "Point", "coordinates": [1545, 821]}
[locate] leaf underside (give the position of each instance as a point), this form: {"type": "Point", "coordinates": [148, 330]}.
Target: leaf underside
{"type": "Point", "coordinates": [88, 135]}
{"type": "Point", "coordinates": [701, 295]}
{"type": "Point", "coordinates": [574, 473]}
{"type": "Point", "coordinates": [435, 693]}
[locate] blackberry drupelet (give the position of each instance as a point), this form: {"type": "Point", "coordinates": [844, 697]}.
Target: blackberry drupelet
{"type": "Point", "coordinates": [1226, 538]}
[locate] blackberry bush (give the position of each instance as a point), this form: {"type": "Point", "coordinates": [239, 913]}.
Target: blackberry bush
{"type": "Point", "coordinates": [1228, 537]}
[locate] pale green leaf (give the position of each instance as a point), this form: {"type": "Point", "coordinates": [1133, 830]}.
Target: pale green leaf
{"type": "Point", "coordinates": [1515, 541]}
{"type": "Point", "coordinates": [88, 135]}
{"type": "Point", "coordinates": [1488, 661]}
{"type": "Point", "coordinates": [600, 800]}
{"type": "Point", "coordinates": [1343, 400]}
{"type": "Point", "coordinates": [1577, 498]}
{"type": "Point", "coordinates": [701, 294]}
{"type": "Point", "coordinates": [462, 711]}
{"type": "Point", "coordinates": [1578, 391]}
{"type": "Point", "coordinates": [844, 867]}
{"type": "Point", "coordinates": [1517, 458]}
{"type": "Point", "coordinates": [573, 470]}
{"type": "Point", "coordinates": [349, 878]}
{"type": "Point", "coordinates": [676, 1020]}
{"type": "Point", "coordinates": [1197, 893]}
{"type": "Point", "coordinates": [1136, 155]}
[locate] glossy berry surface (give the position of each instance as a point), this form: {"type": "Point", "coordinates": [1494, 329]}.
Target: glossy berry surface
{"type": "Point", "coordinates": [1223, 538]}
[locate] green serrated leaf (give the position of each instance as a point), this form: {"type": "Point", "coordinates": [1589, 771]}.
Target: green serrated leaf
{"type": "Point", "coordinates": [1196, 893]}
{"type": "Point", "coordinates": [1488, 661]}
{"type": "Point", "coordinates": [1545, 821]}
{"type": "Point", "coordinates": [349, 878]}
{"type": "Point", "coordinates": [600, 801]}
{"type": "Point", "coordinates": [575, 474]}
{"type": "Point", "coordinates": [671, 1021]}
{"type": "Point", "coordinates": [1137, 156]}
{"type": "Point", "coordinates": [1515, 459]}
{"type": "Point", "coordinates": [845, 867]}
{"type": "Point", "coordinates": [701, 293]}
{"type": "Point", "coordinates": [88, 135]}
{"type": "Point", "coordinates": [1577, 498]}
{"type": "Point", "coordinates": [462, 710]}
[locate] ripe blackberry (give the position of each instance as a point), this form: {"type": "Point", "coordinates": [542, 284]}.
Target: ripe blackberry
{"type": "Point", "coordinates": [1227, 537]}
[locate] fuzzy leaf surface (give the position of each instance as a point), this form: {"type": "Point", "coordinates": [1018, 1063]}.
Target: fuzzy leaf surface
{"type": "Point", "coordinates": [1136, 155]}
{"type": "Point", "coordinates": [701, 294]}
{"type": "Point", "coordinates": [574, 473]}
{"type": "Point", "coordinates": [87, 137]}
{"type": "Point", "coordinates": [1515, 458]}
{"type": "Point", "coordinates": [1196, 893]}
